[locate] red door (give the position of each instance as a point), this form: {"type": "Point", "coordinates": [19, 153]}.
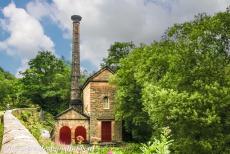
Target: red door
{"type": "Point", "coordinates": [65, 135]}
{"type": "Point", "coordinates": [80, 131]}
{"type": "Point", "coordinates": [106, 131]}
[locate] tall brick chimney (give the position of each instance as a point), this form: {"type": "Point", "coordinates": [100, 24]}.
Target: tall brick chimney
{"type": "Point", "coordinates": [75, 98]}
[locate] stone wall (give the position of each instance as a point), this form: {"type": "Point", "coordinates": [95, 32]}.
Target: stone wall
{"type": "Point", "coordinates": [72, 124]}
{"type": "Point", "coordinates": [103, 75]}
{"type": "Point", "coordinates": [99, 88]}
{"type": "Point", "coordinates": [86, 99]}
{"type": "Point", "coordinates": [17, 139]}
{"type": "Point", "coordinates": [98, 91]}
{"type": "Point", "coordinates": [94, 91]}
{"type": "Point", "coordinates": [71, 119]}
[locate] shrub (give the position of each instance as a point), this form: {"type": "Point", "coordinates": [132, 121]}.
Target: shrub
{"type": "Point", "coordinates": [158, 146]}
{"type": "Point", "coordinates": [133, 148]}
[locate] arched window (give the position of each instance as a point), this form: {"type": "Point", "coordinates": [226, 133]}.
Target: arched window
{"type": "Point", "coordinates": [106, 102]}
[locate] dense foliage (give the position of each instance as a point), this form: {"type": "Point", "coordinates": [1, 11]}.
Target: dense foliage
{"type": "Point", "coordinates": [182, 82]}
{"type": "Point", "coordinates": [47, 82]}
{"type": "Point", "coordinates": [10, 91]}
{"type": "Point", "coordinates": [117, 51]}
{"type": "Point", "coordinates": [158, 146]}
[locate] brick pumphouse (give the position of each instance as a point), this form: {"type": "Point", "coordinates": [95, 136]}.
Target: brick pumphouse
{"type": "Point", "coordinates": [91, 116]}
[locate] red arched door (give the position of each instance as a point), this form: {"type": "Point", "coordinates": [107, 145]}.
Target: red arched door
{"type": "Point", "coordinates": [65, 135]}
{"type": "Point", "coordinates": [80, 131]}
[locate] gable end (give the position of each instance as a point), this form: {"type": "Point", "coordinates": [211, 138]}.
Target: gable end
{"type": "Point", "coordinates": [95, 77]}
{"type": "Point", "coordinates": [72, 114]}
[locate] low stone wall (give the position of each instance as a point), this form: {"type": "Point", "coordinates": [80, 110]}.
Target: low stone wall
{"type": "Point", "coordinates": [17, 139]}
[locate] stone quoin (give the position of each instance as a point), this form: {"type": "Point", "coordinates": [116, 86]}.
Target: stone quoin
{"type": "Point", "coordinates": [91, 114]}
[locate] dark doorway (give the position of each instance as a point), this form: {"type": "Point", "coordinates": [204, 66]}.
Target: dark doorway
{"type": "Point", "coordinates": [80, 131]}
{"type": "Point", "coordinates": [65, 135]}
{"type": "Point", "coordinates": [106, 133]}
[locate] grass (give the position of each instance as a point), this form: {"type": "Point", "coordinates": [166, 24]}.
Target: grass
{"type": "Point", "coordinates": [31, 120]}
{"type": "Point", "coordinates": [127, 148]}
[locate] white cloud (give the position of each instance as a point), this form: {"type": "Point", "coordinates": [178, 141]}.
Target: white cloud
{"type": "Point", "coordinates": [106, 21]}
{"type": "Point", "coordinates": [26, 35]}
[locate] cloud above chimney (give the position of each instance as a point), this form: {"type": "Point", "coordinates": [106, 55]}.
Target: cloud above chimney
{"type": "Point", "coordinates": [106, 21]}
{"type": "Point", "coordinates": [103, 22]}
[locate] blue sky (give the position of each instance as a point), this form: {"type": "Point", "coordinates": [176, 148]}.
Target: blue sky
{"type": "Point", "coordinates": [27, 26]}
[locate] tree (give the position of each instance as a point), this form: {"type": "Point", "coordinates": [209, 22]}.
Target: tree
{"type": "Point", "coordinates": [181, 82]}
{"type": "Point", "coordinates": [47, 82]}
{"type": "Point", "coordinates": [128, 98]}
{"type": "Point", "coordinates": [9, 90]}
{"type": "Point", "coordinates": [117, 51]}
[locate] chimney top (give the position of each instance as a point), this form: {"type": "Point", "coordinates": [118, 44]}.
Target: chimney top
{"type": "Point", "coordinates": [76, 18]}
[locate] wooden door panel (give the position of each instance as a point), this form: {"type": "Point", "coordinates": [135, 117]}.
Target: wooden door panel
{"type": "Point", "coordinates": [80, 131]}
{"type": "Point", "coordinates": [106, 132]}
{"type": "Point", "coordinates": [65, 135]}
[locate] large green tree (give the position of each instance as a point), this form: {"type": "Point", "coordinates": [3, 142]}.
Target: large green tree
{"type": "Point", "coordinates": [181, 82]}
{"type": "Point", "coordinates": [47, 82]}
{"type": "Point", "coordinates": [116, 52]}
{"type": "Point", "coordinates": [7, 89]}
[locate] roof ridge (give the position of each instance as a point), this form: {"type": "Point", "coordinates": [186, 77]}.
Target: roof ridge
{"type": "Point", "coordinates": [95, 74]}
{"type": "Point", "coordinates": [70, 108]}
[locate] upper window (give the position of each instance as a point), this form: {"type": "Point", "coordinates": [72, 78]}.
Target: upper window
{"type": "Point", "coordinates": [106, 102]}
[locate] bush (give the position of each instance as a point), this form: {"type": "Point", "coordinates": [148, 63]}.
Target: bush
{"type": "Point", "coordinates": [158, 146]}
{"type": "Point", "coordinates": [133, 148]}
{"type": "Point", "coordinates": [127, 148]}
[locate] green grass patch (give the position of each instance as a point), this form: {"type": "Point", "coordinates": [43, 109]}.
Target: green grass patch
{"type": "Point", "coordinates": [126, 148]}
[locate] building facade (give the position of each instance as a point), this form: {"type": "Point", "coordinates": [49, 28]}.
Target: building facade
{"type": "Point", "coordinates": [97, 118]}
